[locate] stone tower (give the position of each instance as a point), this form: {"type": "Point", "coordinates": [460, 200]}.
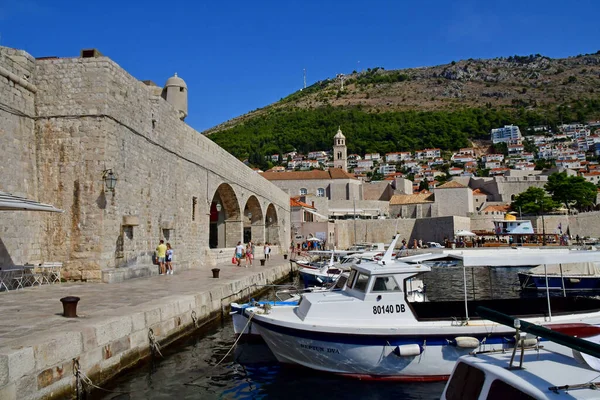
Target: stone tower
{"type": "Point", "coordinates": [175, 92]}
{"type": "Point", "coordinates": [340, 152]}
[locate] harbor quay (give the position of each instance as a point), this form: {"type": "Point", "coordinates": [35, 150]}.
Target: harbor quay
{"type": "Point", "coordinates": [116, 327]}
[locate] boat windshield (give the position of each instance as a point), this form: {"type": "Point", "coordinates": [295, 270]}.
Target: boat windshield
{"type": "Point", "coordinates": [361, 282]}
{"type": "Point", "coordinates": [386, 284]}
{"type": "Point", "coordinates": [502, 390]}
{"type": "Point", "coordinates": [465, 383]}
{"type": "Point", "coordinates": [351, 277]}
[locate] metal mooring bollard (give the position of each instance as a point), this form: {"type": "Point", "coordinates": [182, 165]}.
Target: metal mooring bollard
{"type": "Point", "coordinates": [215, 272]}
{"type": "Point", "coordinates": [70, 306]}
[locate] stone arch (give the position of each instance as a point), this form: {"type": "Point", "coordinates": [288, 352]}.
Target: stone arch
{"type": "Point", "coordinates": [224, 218]}
{"type": "Point", "coordinates": [253, 221]}
{"type": "Point", "coordinates": [271, 225]}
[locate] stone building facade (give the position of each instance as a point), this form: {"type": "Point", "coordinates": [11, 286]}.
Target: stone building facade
{"type": "Point", "coordinates": [63, 122]}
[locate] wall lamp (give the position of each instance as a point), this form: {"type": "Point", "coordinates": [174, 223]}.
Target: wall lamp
{"type": "Point", "coordinates": [110, 179]}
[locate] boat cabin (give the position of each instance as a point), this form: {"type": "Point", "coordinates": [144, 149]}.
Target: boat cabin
{"type": "Point", "coordinates": [370, 279]}
{"type": "Point", "coordinates": [545, 375]}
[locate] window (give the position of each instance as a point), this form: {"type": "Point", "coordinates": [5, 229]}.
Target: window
{"type": "Point", "coordinates": [502, 390]}
{"type": "Point", "coordinates": [320, 192]}
{"type": "Point", "coordinates": [339, 155]}
{"type": "Point", "coordinates": [361, 282]}
{"type": "Point", "coordinates": [385, 284]}
{"type": "Point", "coordinates": [303, 191]}
{"type": "Point", "coordinates": [465, 384]}
{"type": "Point", "coordinates": [194, 203]}
{"type": "Point", "coordinates": [351, 277]}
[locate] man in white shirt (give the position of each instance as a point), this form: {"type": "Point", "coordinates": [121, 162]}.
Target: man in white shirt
{"type": "Point", "coordinates": [239, 251]}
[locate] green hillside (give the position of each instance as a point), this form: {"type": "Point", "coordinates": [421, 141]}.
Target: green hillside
{"type": "Point", "coordinates": [444, 106]}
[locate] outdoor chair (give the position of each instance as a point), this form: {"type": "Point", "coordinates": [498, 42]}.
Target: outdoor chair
{"type": "Point", "coordinates": [51, 271]}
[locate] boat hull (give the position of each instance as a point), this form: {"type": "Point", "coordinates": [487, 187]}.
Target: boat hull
{"type": "Point", "coordinates": [241, 325]}
{"type": "Point", "coordinates": [416, 358]}
{"type": "Point", "coordinates": [315, 278]}
{"type": "Point", "coordinates": [369, 357]}
{"type": "Point", "coordinates": [571, 283]}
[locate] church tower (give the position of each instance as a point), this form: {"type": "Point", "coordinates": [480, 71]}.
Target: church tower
{"type": "Point", "coordinates": [340, 152]}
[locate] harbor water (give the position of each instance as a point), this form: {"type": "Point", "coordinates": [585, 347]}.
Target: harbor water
{"type": "Point", "coordinates": [201, 368]}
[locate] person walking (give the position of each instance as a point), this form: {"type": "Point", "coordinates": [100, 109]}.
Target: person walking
{"type": "Point", "coordinates": [161, 253]}
{"type": "Point", "coordinates": [267, 250]}
{"type": "Point", "coordinates": [248, 254]}
{"type": "Point", "coordinates": [239, 251]}
{"type": "Point", "coordinates": [169, 259]}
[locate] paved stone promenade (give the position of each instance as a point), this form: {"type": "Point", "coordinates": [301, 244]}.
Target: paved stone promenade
{"type": "Point", "coordinates": [37, 343]}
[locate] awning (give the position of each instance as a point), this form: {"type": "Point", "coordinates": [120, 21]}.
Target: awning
{"type": "Point", "coordinates": [316, 213]}
{"type": "Point", "coordinates": [9, 202]}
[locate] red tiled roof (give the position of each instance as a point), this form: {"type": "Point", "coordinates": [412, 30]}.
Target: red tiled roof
{"type": "Point", "coordinates": [295, 202]}
{"type": "Point", "coordinates": [331, 173]}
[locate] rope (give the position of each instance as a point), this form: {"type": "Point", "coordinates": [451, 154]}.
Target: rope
{"type": "Point", "coordinates": [236, 340]}
{"type": "Point", "coordinates": [194, 318]}
{"type": "Point", "coordinates": [81, 377]}
{"type": "Point", "coordinates": [154, 345]}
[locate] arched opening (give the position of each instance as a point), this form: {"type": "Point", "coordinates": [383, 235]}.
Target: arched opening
{"type": "Point", "coordinates": [254, 227]}
{"type": "Point", "coordinates": [271, 226]}
{"type": "Point", "coordinates": [225, 227]}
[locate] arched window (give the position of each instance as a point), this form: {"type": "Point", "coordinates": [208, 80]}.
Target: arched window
{"type": "Point", "coordinates": [303, 191]}
{"type": "Point", "coordinates": [339, 156]}
{"type": "Point", "coordinates": [320, 192]}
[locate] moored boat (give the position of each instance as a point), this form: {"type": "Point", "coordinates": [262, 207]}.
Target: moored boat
{"type": "Point", "coordinates": [370, 329]}
{"type": "Point", "coordinates": [568, 370]}
{"type": "Point", "coordinates": [575, 277]}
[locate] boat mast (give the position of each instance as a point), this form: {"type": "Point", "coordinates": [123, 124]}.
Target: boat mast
{"type": "Point", "coordinates": [466, 296]}
{"type": "Point", "coordinates": [548, 293]}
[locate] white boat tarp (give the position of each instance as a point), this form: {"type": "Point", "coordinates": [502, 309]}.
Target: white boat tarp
{"type": "Point", "coordinates": [10, 202]}
{"type": "Point", "coordinates": [572, 269]}
{"type": "Point", "coordinates": [516, 257]}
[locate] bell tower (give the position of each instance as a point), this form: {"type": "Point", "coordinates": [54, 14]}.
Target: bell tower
{"type": "Point", "coordinates": [340, 151]}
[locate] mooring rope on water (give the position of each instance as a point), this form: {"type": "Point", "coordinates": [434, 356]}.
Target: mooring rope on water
{"type": "Point", "coordinates": [236, 340]}
{"type": "Point", "coordinates": [81, 377]}
{"type": "Point", "coordinates": [194, 319]}
{"type": "Point", "coordinates": [154, 345]}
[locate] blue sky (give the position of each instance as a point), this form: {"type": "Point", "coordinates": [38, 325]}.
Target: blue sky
{"type": "Point", "coordinates": [237, 56]}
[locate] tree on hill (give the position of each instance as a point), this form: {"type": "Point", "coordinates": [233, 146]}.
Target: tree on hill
{"type": "Point", "coordinates": [533, 201]}
{"type": "Point", "coordinates": [572, 191]}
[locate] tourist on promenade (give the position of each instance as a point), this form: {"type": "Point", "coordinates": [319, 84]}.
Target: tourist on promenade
{"type": "Point", "coordinates": [267, 250]}
{"type": "Point", "coordinates": [420, 243]}
{"type": "Point", "coordinates": [169, 259]}
{"type": "Point", "coordinates": [161, 253]}
{"type": "Point", "coordinates": [249, 253]}
{"type": "Point", "coordinates": [239, 251]}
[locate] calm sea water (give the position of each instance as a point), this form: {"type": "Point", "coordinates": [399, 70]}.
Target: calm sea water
{"type": "Point", "coordinates": [250, 371]}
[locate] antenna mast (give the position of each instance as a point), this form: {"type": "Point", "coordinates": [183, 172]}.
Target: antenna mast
{"type": "Point", "coordinates": [304, 78]}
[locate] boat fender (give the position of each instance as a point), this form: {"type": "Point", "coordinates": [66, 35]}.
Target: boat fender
{"type": "Point", "coordinates": [466, 342]}
{"type": "Point", "coordinates": [526, 340]}
{"type": "Point", "coordinates": [408, 350]}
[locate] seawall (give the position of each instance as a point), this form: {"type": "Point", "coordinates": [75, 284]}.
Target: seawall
{"type": "Point", "coordinates": [113, 332]}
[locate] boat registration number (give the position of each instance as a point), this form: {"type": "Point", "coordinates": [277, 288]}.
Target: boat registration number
{"type": "Point", "coordinates": [389, 309]}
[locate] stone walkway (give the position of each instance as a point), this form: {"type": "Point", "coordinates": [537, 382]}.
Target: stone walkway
{"type": "Point", "coordinates": [35, 311]}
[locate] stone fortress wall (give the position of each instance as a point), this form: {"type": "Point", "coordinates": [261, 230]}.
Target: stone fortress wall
{"type": "Point", "coordinates": [89, 115]}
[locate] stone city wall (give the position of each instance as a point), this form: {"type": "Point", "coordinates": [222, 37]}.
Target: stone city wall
{"type": "Point", "coordinates": [91, 116]}
{"type": "Point", "coordinates": [21, 231]}
{"type": "Point", "coordinates": [383, 230]}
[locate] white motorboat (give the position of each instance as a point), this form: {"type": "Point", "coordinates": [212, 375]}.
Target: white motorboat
{"type": "Point", "coordinates": [370, 329]}
{"type": "Point", "coordinates": [567, 371]}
